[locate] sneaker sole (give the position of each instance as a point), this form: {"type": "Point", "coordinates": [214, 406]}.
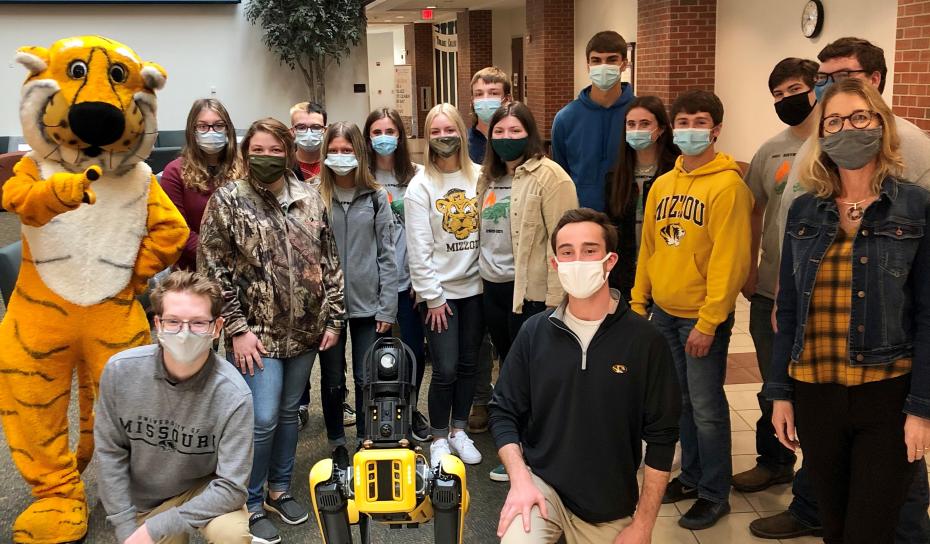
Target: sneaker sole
{"type": "Point", "coordinates": [817, 533]}
{"type": "Point", "coordinates": [257, 540]}
{"type": "Point", "coordinates": [420, 438]}
{"type": "Point", "coordinates": [284, 518]}
{"type": "Point", "coordinates": [495, 477]}
{"type": "Point", "coordinates": [762, 487]}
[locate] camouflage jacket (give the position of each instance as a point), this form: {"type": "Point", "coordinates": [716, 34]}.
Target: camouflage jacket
{"type": "Point", "coordinates": [279, 268]}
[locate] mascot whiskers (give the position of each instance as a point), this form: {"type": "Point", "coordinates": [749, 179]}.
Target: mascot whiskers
{"type": "Point", "coordinates": [96, 226]}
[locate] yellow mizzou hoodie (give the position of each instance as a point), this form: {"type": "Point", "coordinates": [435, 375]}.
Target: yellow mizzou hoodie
{"type": "Point", "coordinates": [694, 255]}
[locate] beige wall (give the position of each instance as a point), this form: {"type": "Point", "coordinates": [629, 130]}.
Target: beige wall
{"type": "Point", "coordinates": [753, 35]}
{"type": "Point", "coordinates": [593, 16]}
{"type": "Point", "coordinates": [506, 24]}
{"type": "Point", "coordinates": [201, 47]}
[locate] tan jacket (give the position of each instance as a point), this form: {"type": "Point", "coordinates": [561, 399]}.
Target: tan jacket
{"type": "Point", "coordinates": [542, 192]}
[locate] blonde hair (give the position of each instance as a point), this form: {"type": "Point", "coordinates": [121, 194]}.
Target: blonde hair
{"type": "Point", "coordinates": [465, 163]}
{"type": "Point", "coordinates": [363, 177]}
{"type": "Point", "coordinates": [820, 175]}
{"type": "Point", "coordinates": [195, 172]}
{"type": "Point", "coordinates": [194, 283]}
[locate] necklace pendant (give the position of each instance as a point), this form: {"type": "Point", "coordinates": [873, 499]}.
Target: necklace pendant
{"type": "Point", "coordinates": [854, 213]}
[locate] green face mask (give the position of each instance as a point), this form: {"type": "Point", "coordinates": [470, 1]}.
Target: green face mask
{"type": "Point", "coordinates": [445, 146]}
{"type": "Point", "coordinates": [509, 149]}
{"type": "Point", "coordinates": [267, 169]}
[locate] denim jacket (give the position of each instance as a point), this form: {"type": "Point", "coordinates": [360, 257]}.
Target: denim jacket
{"type": "Point", "coordinates": [890, 316]}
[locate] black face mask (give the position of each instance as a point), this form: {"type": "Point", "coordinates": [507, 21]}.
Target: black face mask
{"type": "Point", "coordinates": [794, 109]}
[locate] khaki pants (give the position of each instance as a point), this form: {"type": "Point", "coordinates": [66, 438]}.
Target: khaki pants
{"type": "Point", "coordinates": [561, 520]}
{"type": "Point", "coordinates": [228, 528]}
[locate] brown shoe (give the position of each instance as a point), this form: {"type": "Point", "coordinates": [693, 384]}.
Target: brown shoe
{"type": "Point", "coordinates": [759, 478]}
{"type": "Point", "coordinates": [478, 420]}
{"type": "Point", "coordinates": [782, 525]}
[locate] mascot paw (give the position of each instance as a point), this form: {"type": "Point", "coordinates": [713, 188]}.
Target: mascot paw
{"type": "Point", "coordinates": [51, 521]}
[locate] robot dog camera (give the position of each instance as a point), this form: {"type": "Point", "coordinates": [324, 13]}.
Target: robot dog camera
{"type": "Point", "coordinates": [389, 480]}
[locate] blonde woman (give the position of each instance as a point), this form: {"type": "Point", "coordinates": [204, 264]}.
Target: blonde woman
{"type": "Point", "coordinates": [209, 159]}
{"type": "Point", "coordinates": [851, 361]}
{"type": "Point", "coordinates": [363, 224]}
{"type": "Point", "coordinates": [441, 209]}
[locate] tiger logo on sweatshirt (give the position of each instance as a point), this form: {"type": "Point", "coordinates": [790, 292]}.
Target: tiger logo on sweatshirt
{"type": "Point", "coordinates": [459, 213]}
{"type": "Point", "coordinates": [672, 234]}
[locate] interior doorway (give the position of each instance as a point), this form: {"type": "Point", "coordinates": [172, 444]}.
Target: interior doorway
{"type": "Point", "coordinates": [516, 60]}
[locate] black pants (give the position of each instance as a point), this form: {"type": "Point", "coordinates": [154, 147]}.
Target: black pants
{"type": "Point", "coordinates": [853, 443]}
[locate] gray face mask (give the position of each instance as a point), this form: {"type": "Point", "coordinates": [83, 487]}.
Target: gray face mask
{"type": "Point", "coordinates": [852, 149]}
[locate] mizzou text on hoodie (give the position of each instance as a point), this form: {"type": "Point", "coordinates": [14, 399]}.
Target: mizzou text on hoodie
{"type": "Point", "coordinates": [695, 251]}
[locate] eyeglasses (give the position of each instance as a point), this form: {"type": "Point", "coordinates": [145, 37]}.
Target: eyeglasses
{"type": "Point", "coordinates": [304, 128]}
{"type": "Point", "coordinates": [199, 327]}
{"type": "Point", "coordinates": [859, 119]}
{"type": "Point", "coordinates": [822, 79]}
{"type": "Point", "coordinates": [203, 128]}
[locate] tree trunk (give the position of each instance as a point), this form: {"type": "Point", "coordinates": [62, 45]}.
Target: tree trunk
{"type": "Point", "coordinates": [318, 67]}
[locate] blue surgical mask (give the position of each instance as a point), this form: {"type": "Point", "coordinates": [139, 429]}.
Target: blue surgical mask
{"type": "Point", "coordinates": [692, 141]}
{"type": "Point", "coordinates": [819, 90]}
{"type": "Point", "coordinates": [639, 139]}
{"type": "Point", "coordinates": [384, 144]}
{"type": "Point", "coordinates": [485, 108]}
{"type": "Point", "coordinates": [309, 140]}
{"type": "Point", "coordinates": [341, 163]}
{"type": "Point", "coordinates": [211, 141]}
{"type": "Point", "coordinates": [604, 76]}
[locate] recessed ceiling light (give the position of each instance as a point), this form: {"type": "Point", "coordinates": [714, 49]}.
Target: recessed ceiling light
{"type": "Point", "coordinates": [398, 16]}
{"type": "Point", "coordinates": [430, 7]}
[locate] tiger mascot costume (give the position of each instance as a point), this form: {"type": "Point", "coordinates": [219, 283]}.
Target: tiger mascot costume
{"type": "Point", "coordinates": [96, 227]}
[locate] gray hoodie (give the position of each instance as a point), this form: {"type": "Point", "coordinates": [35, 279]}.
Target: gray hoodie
{"type": "Point", "coordinates": [365, 239]}
{"type": "Point", "coordinates": [155, 440]}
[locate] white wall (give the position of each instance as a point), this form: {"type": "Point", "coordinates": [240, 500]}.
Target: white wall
{"type": "Point", "coordinates": [200, 46]}
{"type": "Point", "coordinates": [593, 16]}
{"type": "Point", "coordinates": [381, 70]}
{"type": "Point", "coordinates": [506, 24]}
{"type": "Point", "coordinates": [753, 35]}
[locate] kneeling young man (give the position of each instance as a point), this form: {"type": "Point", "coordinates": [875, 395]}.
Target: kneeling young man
{"type": "Point", "coordinates": [174, 427]}
{"type": "Point", "coordinates": [590, 362]}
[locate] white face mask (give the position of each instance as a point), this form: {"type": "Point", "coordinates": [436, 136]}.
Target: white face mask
{"type": "Point", "coordinates": [604, 76]}
{"type": "Point", "coordinates": [211, 141]}
{"type": "Point", "coordinates": [309, 140]}
{"type": "Point", "coordinates": [185, 347]}
{"type": "Point", "coordinates": [581, 279]}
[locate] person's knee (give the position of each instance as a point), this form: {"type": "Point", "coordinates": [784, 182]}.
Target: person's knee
{"type": "Point", "coordinates": [232, 528]}
{"type": "Point", "coordinates": [266, 421]}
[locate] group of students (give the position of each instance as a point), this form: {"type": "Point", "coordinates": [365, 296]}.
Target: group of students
{"type": "Point", "coordinates": [616, 314]}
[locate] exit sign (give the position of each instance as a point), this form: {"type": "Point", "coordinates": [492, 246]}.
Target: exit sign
{"type": "Point", "coordinates": [426, 14]}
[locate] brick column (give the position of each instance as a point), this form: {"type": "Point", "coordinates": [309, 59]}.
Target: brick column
{"type": "Point", "coordinates": [675, 47]}
{"type": "Point", "coordinates": [474, 43]}
{"type": "Point", "coordinates": [912, 63]}
{"type": "Point", "coordinates": [549, 56]}
{"type": "Point", "coordinates": [418, 40]}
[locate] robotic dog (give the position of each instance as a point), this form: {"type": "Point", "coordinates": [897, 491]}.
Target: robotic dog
{"type": "Point", "coordinates": [389, 480]}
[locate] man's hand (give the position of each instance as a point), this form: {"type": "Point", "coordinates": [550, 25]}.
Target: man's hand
{"type": "Point", "coordinates": [330, 338]}
{"type": "Point", "coordinates": [783, 421]}
{"type": "Point", "coordinates": [248, 351]}
{"type": "Point", "coordinates": [140, 536]}
{"type": "Point", "coordinates": [916, 437]}
{"type": "Point", "coordinates": [436, 318]}
{"type": "Point", "coordinates": [634, 534]}
{"type": "Point", "coordinates": [521, 498]}
{"type": "Point", "coordinates": [382, 327]}
{"type": "Point", "coordinates": [749, 288]}
{"type": "Point", "coordinates": [698, 344]}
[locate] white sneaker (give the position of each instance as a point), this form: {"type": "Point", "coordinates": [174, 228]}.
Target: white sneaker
{"type": "Point", "coordinates": [465, 448]}
{"type": "Point", "coordinates": [437, 450]}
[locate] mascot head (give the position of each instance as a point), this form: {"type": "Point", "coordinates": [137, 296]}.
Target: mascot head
{"type": "Point", "coordinates": [89, 100]}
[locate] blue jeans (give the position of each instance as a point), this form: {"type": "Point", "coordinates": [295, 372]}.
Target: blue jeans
{"type": "Point", "coordinates": [411, 331]}
{"type": "Point", "coordinates": [772, 455]}
{"type": "Point", "coordinates": [705, 414]}
{"type": "Point", "coordinates": [276, 394]}
{"type": "Point", "coordinates": [455, 355]}
{"type": "Point", "coordinates": [913, 522]}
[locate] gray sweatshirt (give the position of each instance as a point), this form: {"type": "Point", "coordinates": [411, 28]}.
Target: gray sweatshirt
{"type": "Point", "coordinates": [364, 234]}
{"type": "Point", "coordinates": [155, 440]}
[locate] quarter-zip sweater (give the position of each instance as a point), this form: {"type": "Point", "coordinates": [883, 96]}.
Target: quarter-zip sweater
{"type": "Point", "coordinates": [552, 394]}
